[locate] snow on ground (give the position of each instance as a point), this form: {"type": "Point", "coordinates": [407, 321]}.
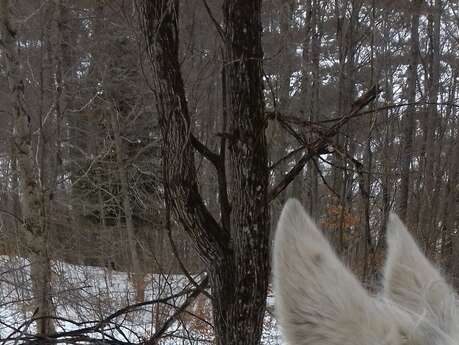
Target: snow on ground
{"type": "Point", "coordinates": [84, 294]}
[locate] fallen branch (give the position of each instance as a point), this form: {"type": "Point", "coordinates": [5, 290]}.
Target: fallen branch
{"type": "Point", "coordinates": [97, 332]}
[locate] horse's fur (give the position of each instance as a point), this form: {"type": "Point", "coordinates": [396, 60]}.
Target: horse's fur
{"type": "Point", "coordinates": [320, 302]}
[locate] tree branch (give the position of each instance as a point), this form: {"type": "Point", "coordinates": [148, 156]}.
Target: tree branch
{"type": "Point", "coordinates": [216, 24]}
{"type": "Point", "coordinates": [189, 300]}
{"type": "Point", "coordinates": [159, 22]}
{"type": "Point", "coordinates": [321, 145]}
{"type": "Point", "coordinates": [206, 152]}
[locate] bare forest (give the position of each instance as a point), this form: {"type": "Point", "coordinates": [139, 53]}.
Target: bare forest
{"type": "Point", "coordinates": [147, 148]}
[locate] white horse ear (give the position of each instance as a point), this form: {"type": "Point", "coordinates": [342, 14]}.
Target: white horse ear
{"type": "Point", "coordinates": [318, 301]}
{"type": "Point", "coordinates": [412, 282]}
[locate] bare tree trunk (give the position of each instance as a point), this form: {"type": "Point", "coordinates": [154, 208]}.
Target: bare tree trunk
{"type": "Point", "coordinates": [387, 149]}
{"type": "Point", "coordinates": [312, 170]}
{"type": "Point", "coordinates": [347, 45]}
{"type": "Point", "coordinates": [41, 275]}
{"type": "Point", "coordinates": [34, 218]}
{"type": "Point", "coordinates": [408, 122]}
{"type": "Point", "coordinates": [242, 311]}
{"type": "Point", "coordinates": [65, 78]}
{"type": "Point", "coordinates": [449, 210]}
{"type": "Point", "coordinates": [279, 141]}
{"type": "Point", "coordinates": [138, 276]}
{"type": "Point", "coordinates": [452, 211]}
{"type": "Point", "coordinates": [236, 254]}
{"type": "Point", "coordinates": [427, 213]}
{"type": "Point", "coordinates": [283, 96]}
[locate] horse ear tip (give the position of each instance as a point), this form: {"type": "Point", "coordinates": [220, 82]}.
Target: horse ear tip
{"type": "Point", "coordinates": [395, 225]}
{"type": "Point", "coordinates": [292, 210]}
{"type": "Point", "coordinates": [293, 204]}
{"type": "Point", "coordinates": [393, 217]}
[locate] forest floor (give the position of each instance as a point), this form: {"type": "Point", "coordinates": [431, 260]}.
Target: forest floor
{"type": "Point", "coordinates": [83, 296]}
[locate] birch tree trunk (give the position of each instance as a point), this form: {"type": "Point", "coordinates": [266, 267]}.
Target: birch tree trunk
{"type": "Point", "coordinates": [34, 229]}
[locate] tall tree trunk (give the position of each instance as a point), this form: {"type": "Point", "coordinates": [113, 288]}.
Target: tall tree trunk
{"type": "Point", "coordinates": [138, 276]}
{"type": "Point", "coordinates": [34, 219]}
{"type": "Point", "coordinates": [347, 49]}
{"type": "Point", "coordinates": [408, 122]}
{"type": "Point", "coordinates": [279, 141]}
{"type": "Point", "coordinates": [312, 167]}
{"type": "Point", "coordinates": [236, 254]}
{"type": "Point", "coordinates": [66, 80]}
{"type": "Point", "coordinates": [387, 149]}
{"type": "Point", "coordinates": [451, 218]}
{"type": "Point", "coordinates": [430, 195]}
{"type": "Point", "coordinates": [242, 318]}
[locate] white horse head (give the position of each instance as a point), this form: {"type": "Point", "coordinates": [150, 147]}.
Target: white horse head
{"type": "Point", "coordinates": [320, 302]}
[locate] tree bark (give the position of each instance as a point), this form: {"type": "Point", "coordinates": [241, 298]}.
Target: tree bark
{"type": "Point", "coordinates": [313, 166]}
{"type": "Point", "coordinates": [408, 122]}
{"type": "Point", "coordinates": [242, 310]}
{"type": "Point", "coordinates": [159, 22]}
{"type": "Point", "coordinates": [237, 255]}
{"type": "Point", "coordinates": [138, 277]}
{"type": "Point", "coordinates": [451, 218]}
{"type": "Point", "coordinates": [347, 53]}
{"type": "Point", "coordinates": [34, 228]}
{"type": "Point", "coordinates": [430, 194]}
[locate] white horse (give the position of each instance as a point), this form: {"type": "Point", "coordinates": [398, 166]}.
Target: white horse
{"type": "Point", "coordinates": [320, 302]}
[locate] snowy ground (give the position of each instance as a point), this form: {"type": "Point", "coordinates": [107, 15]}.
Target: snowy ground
{"type": "Point", "coordinates": [89, 294]}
